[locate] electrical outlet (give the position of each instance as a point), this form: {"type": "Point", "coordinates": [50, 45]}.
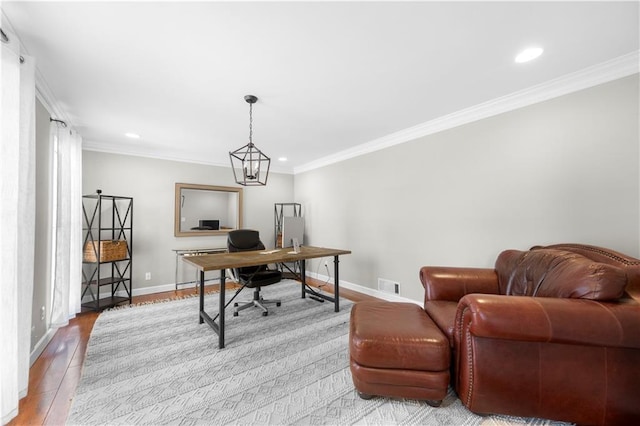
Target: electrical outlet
{"type": "Point", "coordinates": [147, 276]}
{"type": "Point", "coordinates": [42, 313]}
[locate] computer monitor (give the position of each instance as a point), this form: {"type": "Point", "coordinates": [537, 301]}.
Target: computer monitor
{"type": "Point", "coordinates": [292, 227]}
{"type": "Point", "coordinates": [209, 223]}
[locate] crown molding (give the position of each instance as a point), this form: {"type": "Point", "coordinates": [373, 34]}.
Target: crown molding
{"type": "Point", "coordinates": [613, 69]}
{"type": "Point", "coordinates": [43, 92]}
{"type": "Point", "coordinates": [166, 155]}
{"type": "Point", "coordinates": [46, 97]}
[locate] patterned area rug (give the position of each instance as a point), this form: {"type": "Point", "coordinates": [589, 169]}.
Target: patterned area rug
{"type": "Point", "coordinates": [154, 364]}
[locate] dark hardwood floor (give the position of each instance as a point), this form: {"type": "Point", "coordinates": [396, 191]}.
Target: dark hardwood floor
{"type": "Point", "coordinates": [54, 376]}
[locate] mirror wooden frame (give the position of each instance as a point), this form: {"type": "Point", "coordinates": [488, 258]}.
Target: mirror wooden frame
{"type": "Point", "coordinates": [200, 233]}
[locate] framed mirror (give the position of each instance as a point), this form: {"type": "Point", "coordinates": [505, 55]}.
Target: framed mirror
{"type": "Point", "coordinates": [206, 210]}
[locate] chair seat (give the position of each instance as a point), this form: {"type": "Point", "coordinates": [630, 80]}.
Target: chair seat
{"type": "Point", "coordinates": [261, 278]}
{"type": "Point", "coordinates": [254, 277]}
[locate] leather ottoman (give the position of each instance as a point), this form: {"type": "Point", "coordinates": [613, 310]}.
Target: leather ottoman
{"type": "Point", "coordinates": [397, 351]}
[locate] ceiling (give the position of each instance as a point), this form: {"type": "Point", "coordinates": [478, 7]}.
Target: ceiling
{"type": "Point", "coordinates": [330, 76]}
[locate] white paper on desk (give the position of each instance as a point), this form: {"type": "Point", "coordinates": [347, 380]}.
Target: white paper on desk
{"type": "Point", "coordinates": [269, 252]}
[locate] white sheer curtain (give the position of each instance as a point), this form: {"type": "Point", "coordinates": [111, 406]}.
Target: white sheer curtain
{"type": "Point", "coordinates": [17, 222]}
{"type": "Point", "coordinates": [67, 234]}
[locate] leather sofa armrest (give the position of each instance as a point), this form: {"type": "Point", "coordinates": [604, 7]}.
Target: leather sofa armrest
{"type": "Point", "coordinates": [543, 319]}
{"type": "Point", "coordinates": [451, 284]}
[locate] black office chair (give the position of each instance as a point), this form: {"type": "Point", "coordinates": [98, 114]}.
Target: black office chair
{"type": "Point", "coordinates": [253, 277]}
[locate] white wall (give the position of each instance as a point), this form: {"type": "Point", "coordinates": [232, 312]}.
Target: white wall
{"type": "Point", "coordinates": [565, 170]}
{"type": "Point", "coordinates": [151, 183]}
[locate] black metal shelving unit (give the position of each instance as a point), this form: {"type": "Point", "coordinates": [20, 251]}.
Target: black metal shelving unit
{"type": "Point", "coordinates": [106, 218]}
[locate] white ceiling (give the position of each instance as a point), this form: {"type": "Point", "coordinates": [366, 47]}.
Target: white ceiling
{"type": "Point", "coordinates": [329, 76]}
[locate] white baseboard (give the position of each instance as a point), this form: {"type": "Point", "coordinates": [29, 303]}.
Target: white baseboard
{"type": "Point", "coordinates": [364, 290]}
{"type": "Point", "coordinates": [41, 345]}
{"type": "Point", "coordinates": [344, 284]}
{"type": "Point", "coordinates": [167, 287]}
{"type": "Point", "coordinates": [162, 288]}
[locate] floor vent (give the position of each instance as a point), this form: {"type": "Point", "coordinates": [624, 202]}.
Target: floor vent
{"type": "Point", "coordinates": [388, 286]}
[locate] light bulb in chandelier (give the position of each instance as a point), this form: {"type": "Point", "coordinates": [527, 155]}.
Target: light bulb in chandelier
{"type": "Point", "coordinates": [252, 170]}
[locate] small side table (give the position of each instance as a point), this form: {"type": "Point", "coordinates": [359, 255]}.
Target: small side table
{"type": "Point", "coordinates": [194, 252]}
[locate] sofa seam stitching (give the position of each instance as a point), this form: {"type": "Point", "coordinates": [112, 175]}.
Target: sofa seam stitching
{"type": "Point", "coordinates": [603, 253]}
{"type": "Point", "coordinates": [467, 335]}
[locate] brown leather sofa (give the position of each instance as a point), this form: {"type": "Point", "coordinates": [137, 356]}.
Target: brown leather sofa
{"type": "Point", "coordinates": [570, 353]}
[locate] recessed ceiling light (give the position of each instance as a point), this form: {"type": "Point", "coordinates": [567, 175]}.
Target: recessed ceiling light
{"type": "Point", "coordinates": [132, 135]}
{"type": "Point", "coordinates": [529, 54]}
{"type": "Point", "coordinates": [282, 159]}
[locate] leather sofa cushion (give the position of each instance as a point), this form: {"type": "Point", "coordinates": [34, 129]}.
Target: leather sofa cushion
{"type": "Point", "coordinates": [558, 273]}
{"type": "Point", "coordinates": [394, 335]}
{"type": "Point", "coordinates": [443, 313]}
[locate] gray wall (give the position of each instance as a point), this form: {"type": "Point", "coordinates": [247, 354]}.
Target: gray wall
{"type": "Point", "coordinates": [42, 255]}
{"type": "Point", "coordinates": [151, 184]}
{"type": "Point", "coordinates": [565, 170]}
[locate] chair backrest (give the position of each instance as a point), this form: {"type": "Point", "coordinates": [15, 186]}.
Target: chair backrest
{"type": "Point", "coordinates": [245, 240]}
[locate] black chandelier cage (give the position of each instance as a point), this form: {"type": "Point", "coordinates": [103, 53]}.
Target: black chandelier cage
{"type": "Point", "coordinates": [250, 165]}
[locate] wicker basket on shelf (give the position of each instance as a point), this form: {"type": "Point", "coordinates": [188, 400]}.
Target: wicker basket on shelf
{"type": "Point", "coordinates": [109, 250]}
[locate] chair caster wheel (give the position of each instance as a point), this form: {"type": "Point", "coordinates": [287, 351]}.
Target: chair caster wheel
{"type": "Point", "coordinates": [235, 314]}
{"type": "Point", "coordinates": [434, 403]}
{"type": "Point", "coordinates": [235, 305]}
{"type": "Point", "coordinates": [278, 304]}
{"type": "Point", "coordinates": [264, 314]}
{"type": "Point", "coordinates": [364, 395]}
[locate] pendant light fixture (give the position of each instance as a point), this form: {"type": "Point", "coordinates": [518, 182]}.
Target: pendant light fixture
{"type": "Point", "coordinates": [250, 166]}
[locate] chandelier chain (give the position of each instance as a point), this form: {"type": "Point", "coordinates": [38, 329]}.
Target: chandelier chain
{"type": "Point", "coordinates": [251, 123]}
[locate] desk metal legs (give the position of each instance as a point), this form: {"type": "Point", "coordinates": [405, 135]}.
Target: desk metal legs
{"type": "Point", "coordinates": [219, 326]}
{"type": "Point", "coordinates": [177, 257]}
{"type": "Point", "coordinates": [201, 310]}
{"type": "Point", "coordinates": [336, 285]}
{"type": "Point", "coordinates": [204, 317]}
{"type": "Point", "coordinates": [221, 303]}
{"type": "Point", "coordinates": [303, 278]}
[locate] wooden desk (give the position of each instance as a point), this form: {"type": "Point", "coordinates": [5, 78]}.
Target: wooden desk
{"type": "Point", "coordinates": [222, 261]}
